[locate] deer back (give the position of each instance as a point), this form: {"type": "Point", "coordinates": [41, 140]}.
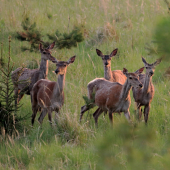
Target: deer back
{"type": "Point", "coordinates": [108, 97]}
{"type": "Point", "coordinates": [118, 76]}
{"type": "Point", "coordinates": [43, 93]}
{"type": "Point", "coordinates": [106, 93]}
{"type": "Point", "coordinates": [23, 77]}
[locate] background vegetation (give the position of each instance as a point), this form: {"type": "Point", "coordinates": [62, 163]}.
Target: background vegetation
{"type": "Point", "coordinates": [128, 25]}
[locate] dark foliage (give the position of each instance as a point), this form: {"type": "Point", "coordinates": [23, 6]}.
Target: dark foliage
{"type": "Point", "coordinates": [30, 34]}
{"type": "Point", "coordinates": [89, 102]}
{"type": "Point", "coordinates": [68, 40]}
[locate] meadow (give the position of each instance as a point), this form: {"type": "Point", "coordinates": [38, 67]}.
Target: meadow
{"type": "Point", "coordinates": [128, 25]}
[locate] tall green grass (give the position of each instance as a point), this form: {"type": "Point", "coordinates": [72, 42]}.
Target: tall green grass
{"type": "Point", "coordinates": [127, 25]}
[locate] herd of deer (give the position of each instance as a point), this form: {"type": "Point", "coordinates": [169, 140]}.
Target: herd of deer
{"type": "Point", "coordinates": [111, 93]}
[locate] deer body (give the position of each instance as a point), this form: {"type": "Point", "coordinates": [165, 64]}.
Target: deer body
{"type": "Point", "coordinates": [143, 97]}
{"type": "Point", "coordinates": [111, 96]}
{"type": "Point", "coordinates": [113, 76]}
{"type": "Point", "coordinates": [24, 79]}
{"type": "Point", "coordinates": [49, 95]}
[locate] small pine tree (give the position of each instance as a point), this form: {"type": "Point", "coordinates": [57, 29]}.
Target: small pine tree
{"type": "Point", "coordinates": [68, 40]}
{"type": "Point", "coordinates": [9, 120]}
{"type": "Point", "coordinates": [30, 34]}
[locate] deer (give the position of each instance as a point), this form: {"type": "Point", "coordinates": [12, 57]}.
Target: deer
{"type": "Point", "coordinates": [23, 78]}
{"type": "Point", "coordinates": [112, 96]}
{"type": "Point", "coordinates": [144, 96]}
{"type": "Point", "coordinates": [49, 95]}
{"type": "Point", "coordinates": [113, 76]}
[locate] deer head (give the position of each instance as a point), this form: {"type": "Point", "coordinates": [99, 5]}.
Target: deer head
{"type": "Point", "coordinates": [150, 68]}
{"type": "Point", "coordinates": [106, 58]}
{"type": "Point", "coordinates": [46, 53]}
{"type": "Point", "coordinates": [133, 78]}
{"type": "Point", "coordinates": [62, 65]}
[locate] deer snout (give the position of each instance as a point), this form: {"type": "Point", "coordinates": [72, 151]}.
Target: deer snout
{"type": "Point", "coordinates": [151, 73]}
{"type": "Point", "coordinates": [106, 63]}
{"type": "Point", "coordinates": [57, 71]}
{"type": "Point", "coordinates": [140, 85]}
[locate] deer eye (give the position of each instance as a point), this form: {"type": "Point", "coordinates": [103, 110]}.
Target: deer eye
{"type": "Point", "coordinates": [146, 67]}
{"type": "Point", "coordinates": [44, 52]}
{"type": "Point", "coordinates": [130, 77]}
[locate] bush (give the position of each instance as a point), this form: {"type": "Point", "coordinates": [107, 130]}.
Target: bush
{"type": "Point", "coordinates": [30, 34]}
{"type": "Point", "coordinates": [68, 40]}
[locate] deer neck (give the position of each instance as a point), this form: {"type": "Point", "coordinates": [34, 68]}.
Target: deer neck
{"type": "Point", "coordinates": [125, 91]}
{"type": "Point", "coordinates": [108, 73]}
{"type": "Point", "coordinates": [59, 87]}
{"type": "Point", "coordinates": [43, 69]}
{"type": "Point", "coordinates": [147, 84]}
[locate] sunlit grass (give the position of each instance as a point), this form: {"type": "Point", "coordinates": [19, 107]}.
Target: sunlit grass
{"type": "Point", "coordinates": [69, 144]}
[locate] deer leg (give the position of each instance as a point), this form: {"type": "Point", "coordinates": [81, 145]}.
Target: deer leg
{"type": "Point", "coordinates": [20, 95]}
{"type": "Point", "coordinates": [31, 97]}
{"type": "Point", "coordinates": [34, 109]}
{"type": "Point", "coordinates": [105, 113]}
{"type": "Point", "coordinates": [139, 112]}
{"type": "Point", "coordinates": [50, 116]}
{"type": "Point", "coordinates": [111, 117]}
{"type": "Point", "coordinates": [57, 113]}
{"type": "Point", "coordinates": [127, 115]}
{"type": "Point", "coordinates": [96, 114]}
{"type": "Point", "coordinates": [146, 112]}
{"type": "Point", "coordinates": [42, 115]}
{"type": "Point", "coordinates": [84, 109]}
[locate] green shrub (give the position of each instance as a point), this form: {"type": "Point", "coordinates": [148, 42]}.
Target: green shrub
{"type": "Point", "coordinates": [68, 40]}
{"type": "Point", "coordinates": [30, 33]}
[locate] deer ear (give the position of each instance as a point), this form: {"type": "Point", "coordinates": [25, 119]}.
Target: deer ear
{"type": "Point", "coordinates": [50, 47]}
{"type": "Point", "coordinates": [144, 61]}
{"type": "Point", "coordinates": [40, 47]}
{"type": "Point", "coordinates": [53, 59]}
{"type": "Point", "coordinates": [71, 60]}
{"type": "Point", "coordinates": [139, 71]}
{"type": "Point", "coordinates": [114, 52]}
{"type": "Point", "coordinates": [157, 62]}
{"type": "Point", "coordinates": [99, 53]}
{"type": "Point", "coordinates": [125, 71]}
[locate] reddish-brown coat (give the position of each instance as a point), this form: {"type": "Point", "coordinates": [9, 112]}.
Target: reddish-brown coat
{"type": "Point", "coordinates": [112, 96]}
{"type": "Point", "coordinates": [48, 95]}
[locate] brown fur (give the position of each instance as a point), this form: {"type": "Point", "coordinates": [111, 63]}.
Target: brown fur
{"type": "Point", "coordinates": [118, 76]}
{"type": "Point", "coordinates": [112, 96]}
{"type": "Point", "coordinates": [48, 95]}
{"type": "Point", "coordinates": [143, 97]}
{"type": "Point", "coordinates": [113, 76]}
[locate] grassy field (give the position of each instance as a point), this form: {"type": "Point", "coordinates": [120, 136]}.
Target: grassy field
{"type": "Point", "coordinates": [128, 25]}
